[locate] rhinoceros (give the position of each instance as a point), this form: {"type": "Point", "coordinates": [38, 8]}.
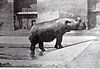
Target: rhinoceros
{"type": "Point", "coordinates": [49, 30]}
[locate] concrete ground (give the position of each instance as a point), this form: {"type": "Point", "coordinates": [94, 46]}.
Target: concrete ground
{"type": "Point", "coordinates": [83, 51]}
{"type": "Point", "coordinates": [89, 58]}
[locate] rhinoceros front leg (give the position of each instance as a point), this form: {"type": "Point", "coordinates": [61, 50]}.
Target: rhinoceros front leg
{"type": "Point", "coordinates": [58, 42]}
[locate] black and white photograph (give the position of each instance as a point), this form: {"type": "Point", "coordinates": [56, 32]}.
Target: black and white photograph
{"type": "Point", "coordinates": [49, 33]}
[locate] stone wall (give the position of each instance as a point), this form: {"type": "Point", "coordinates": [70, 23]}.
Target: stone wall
{"type": "Point", "coordinates": [6, 17]}
{"type": "Point", "coordinates": [66, 8]}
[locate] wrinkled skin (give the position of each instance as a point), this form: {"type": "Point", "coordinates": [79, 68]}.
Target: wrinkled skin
{"type": "Point", "coordinates": [48, 31]}
{"type": "Point", "coordinates": [80, 25]}
{"type": "Point", "coordinates": [76, 25]}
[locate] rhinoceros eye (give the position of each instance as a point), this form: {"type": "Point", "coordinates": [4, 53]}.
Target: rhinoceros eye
{"type": "Point", "coordinates": [67, 22]}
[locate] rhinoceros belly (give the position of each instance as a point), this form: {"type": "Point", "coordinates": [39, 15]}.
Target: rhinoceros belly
{"type": "Point", "coordinates": [47, 36]}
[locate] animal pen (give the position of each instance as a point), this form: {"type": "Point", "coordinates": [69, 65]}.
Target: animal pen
{"type": "Point", "coordinates": [24, 11]}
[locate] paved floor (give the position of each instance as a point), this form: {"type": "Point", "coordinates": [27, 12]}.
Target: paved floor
{"type": "Point", "coordinates": [15, 50]}
{"type": "Point", "coordinates": [19, 55]}
{"type": "Point", "coordinates": [23, 40]}
{"type": "Point", "coordinates": [90, 58]}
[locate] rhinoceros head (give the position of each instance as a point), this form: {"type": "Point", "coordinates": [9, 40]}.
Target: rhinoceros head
{"type": "Point", "coordinates": [77, 25]}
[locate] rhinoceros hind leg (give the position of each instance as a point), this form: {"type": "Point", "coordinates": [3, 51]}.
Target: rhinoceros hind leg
{"type": "Point", "coordinates": [41, 46]}
{"type": "Point", "coordinates": [32, 48]}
